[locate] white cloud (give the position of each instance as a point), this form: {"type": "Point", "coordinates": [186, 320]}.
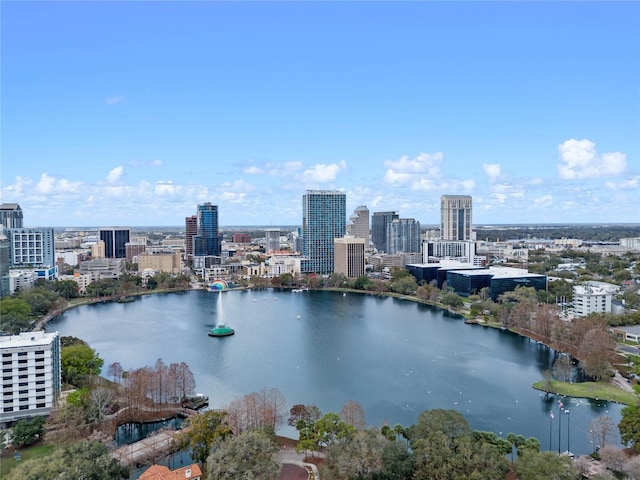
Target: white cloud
{"type": "Point", "coordinates": [253, 170]}
{"type": "Point", "coordinates": [51, 185]}
{"type": "Point", "coordinates": [544, 201]}
{"type": "Point", "coordinates": [238, 186]}
{"type": "Point", "coordinates": [273, 169]}
{"type": "Point", "coordinates": [322, 173]}
{"type": "Point", "coordinates": [424, 163]}
{"type": "Point", "coordinates": [115, 99]}
{"type": "Point", "coordinates": [492, 170]}
{"type": "Point", "coordinates": [630, 184]}
{"type": "Point", "coordinates": [140, 163]}
{"type": "Point", "coordinates": [580, 159]}
{"type": "Point", "coordinates": [115, 175]}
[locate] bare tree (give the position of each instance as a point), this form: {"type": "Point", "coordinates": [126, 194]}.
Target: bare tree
{"type": "Point", "coordinates": [353, 414]}
{"type": "Point", "coordinates": [116, 371]}
{"type": "Point", "coordinates": [600, 428]}
{"type": "Point", "coordinates": [257, 411]}
{"type": "Point", "coordinates": [100, 398]}
{"type": "Point", "coordinates": [596, 352]}
{"type": "Point", "coordinates": [562, 368]}
{"type": "Point", "coordinates": [185, 381]}
{"type": "Point", "coordinates": [613, 458]}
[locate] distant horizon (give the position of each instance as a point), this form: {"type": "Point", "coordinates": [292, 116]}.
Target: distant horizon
{"type": "Point", "coordinates": [222, 227]}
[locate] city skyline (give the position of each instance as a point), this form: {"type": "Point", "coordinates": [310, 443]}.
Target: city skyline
{"type": "Point", "coordinates": [133, 113]}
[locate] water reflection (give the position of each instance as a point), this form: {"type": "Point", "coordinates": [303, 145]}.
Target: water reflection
{"type": "Point", "coordinates": [393, 356]}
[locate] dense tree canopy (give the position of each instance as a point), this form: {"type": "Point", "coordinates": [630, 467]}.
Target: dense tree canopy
{"type": "Point", "coordinates": [201, 432]}
{"type": "Point", "coordinates": [77, 361]}
{"type": "Point", "coordinates": [545, 466]}
{"type": "Point", "coordinates": [87, 460]}
{"type": "Point", "coordinates": [249, 456]}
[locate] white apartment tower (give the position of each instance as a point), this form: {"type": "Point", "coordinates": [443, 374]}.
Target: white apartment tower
{"type": "Point", "coordinates": [456, 217]}
{"type": "Point", "coordinates": [588, 300]}
{"type": "Point", "coordinates": [349, 256]}
{"type": "Point", "coordinates": [31, 379]}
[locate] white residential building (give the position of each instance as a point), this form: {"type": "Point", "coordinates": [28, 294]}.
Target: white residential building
{"type": "Point", "coordinates": [21, 280]}
{"type": "Point", "coordinates": [588, 299]}
{"type": "Point", "coordinates": [31, 380]}
{"type": "Point", "coordinates": [632, 243]}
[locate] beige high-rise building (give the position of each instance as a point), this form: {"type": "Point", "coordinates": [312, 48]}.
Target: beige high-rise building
{"type": "Point", "coordinates": [456, 217]}
{"type": "Point", "coordinates": [358, 225]}
{"type": "Point", "coordinates": [349, 256]}
{"type": "Point", "coordinates": [97, 250]}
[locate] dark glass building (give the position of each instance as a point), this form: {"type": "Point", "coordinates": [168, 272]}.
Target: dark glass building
{"type": "Point", "coordinates": [208, 241]}
{"type": "Point", "coordinates": [115, 240]}
{"type": "Point", "coordinates": [379, 229]}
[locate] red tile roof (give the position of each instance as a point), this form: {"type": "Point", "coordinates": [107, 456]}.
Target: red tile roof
{"type": "Point", "coordinates": [160, 472]}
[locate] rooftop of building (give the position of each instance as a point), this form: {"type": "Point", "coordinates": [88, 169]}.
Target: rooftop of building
{"type": "Point", "coordinates": [160, 472]}
{"type": "Point", "coordinates": [27, 339]}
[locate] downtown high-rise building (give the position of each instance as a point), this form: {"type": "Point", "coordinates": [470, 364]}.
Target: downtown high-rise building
{"type": "Point", "coordinates": [11, 215]}
{"type": "Point", "coordinates": [349, 256]}
{"type": "Point", "coordinates": [324, 218]}
{"type": "Point", "coordinates": [190, 231]}
{"type": "Point", "coordinates": [208, 241]}
{"type": "Point", "coordinates": [379, 229]}
{"type": "Point", "coordinates": [115, 239]}
{"type": "Point", "coordinates": [403, 236]}
{"type": "Point", "coordinates": [272, 240]}
{"type": "Point", "coordinates": [358, 225]}
{"type": "Point", "coordinates": [456, 217]}
{"type": "Point", "coordinates": [32, 247]}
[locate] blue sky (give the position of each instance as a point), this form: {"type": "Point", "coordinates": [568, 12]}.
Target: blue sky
{"type": "Point", "coordinates": [132, 113]}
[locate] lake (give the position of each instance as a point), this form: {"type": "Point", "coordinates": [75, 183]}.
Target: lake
{"type": "Point", "coordinates": [395, 357]}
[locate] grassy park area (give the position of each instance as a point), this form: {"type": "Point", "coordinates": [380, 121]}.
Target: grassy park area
{"type": "Point", "coordinates": [9, 459]}
{"type": "Point", "coordinates": [595, 390]}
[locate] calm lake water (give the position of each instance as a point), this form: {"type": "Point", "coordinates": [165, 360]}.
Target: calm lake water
{"type": "Point", "coordinates": [395, 357]}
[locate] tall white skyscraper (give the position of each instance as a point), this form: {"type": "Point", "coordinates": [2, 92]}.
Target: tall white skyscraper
{"type": "Point", "coordinates": [456, 217]}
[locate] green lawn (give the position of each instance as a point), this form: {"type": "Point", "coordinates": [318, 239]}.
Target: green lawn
{"type": "Point", "coordinates": [595, 390]}
{"type": "Point", "coordinates": [36, 451]}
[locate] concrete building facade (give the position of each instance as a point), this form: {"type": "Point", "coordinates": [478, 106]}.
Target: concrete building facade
{"type": "Point", "coordinates": [160, 262]}
{"type": "Point", "coordinates": [358, 225]}
{"type": "Point", "coordinates": [588, 300]}
{"type": "Point", "coordinates": [32, 247]}
{"type": "Point", "coordinates": [31, 378]}
{"type": "Point", "coordinates": [349, 256]}
{"type": "Point", "coordinates": [11, 215]}
{"type": "Point", "coordinates": [456, 217]}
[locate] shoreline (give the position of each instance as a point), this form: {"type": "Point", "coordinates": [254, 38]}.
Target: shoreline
{"type": "Point", "coordinates": [575, 391]}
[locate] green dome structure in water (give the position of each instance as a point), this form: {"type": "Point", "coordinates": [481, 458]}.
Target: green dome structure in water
{"type": "Point", "coordinates": [221, 331]}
